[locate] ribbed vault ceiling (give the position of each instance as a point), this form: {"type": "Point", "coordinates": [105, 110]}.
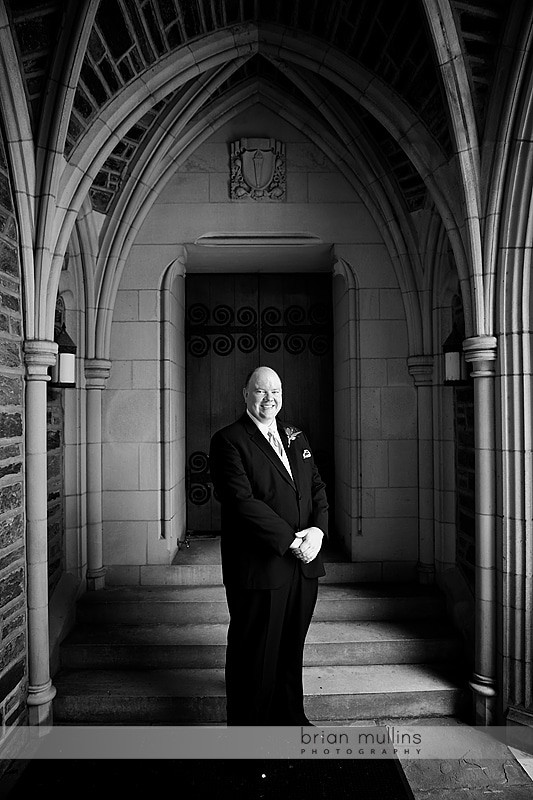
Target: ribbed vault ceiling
{"type": "Point", "coordinates": [389, 38]}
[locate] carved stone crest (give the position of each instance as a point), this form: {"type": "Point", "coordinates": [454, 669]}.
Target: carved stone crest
{"type": "Point", "coordinates": [258, 170]}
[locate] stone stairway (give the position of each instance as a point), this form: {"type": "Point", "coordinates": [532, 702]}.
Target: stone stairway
{"type": "Point", "coordinates": [155, 654]}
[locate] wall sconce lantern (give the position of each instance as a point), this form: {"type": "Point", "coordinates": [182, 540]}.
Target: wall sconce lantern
{"type": "Point", "coordinates": [63, 374]}
{"type": "Point", "coordinates": [455, 370]}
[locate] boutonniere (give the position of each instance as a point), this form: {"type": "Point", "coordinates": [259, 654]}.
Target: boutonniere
{"type": "Point", "coordinates": [306, 454]}
{"type": "Point", "coordinates": [291, 434]}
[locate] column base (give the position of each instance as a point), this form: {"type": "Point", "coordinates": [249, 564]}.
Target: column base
{"type": "Point", "coordinates": [484, 701]}
{"type": "Point", "coordinates": [96, 580]}
{"type": "Point", "coordinates": [519, 715]}
{"type": "Point", "coordinates": [425, 574]}
{"type": "Point", "coordinates": [40, 709]}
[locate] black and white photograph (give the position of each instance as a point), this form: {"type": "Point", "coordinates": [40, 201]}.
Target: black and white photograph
{"type": "Point", "coordinates": [266, 399]}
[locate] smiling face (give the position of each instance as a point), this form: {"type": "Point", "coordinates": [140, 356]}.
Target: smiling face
{"type": "Point", "coordinates": [262, 395]}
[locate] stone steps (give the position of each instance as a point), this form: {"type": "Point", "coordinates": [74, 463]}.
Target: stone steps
{"type": "Point", "coordinates": [203, 645]}
{"type": "Point", "coordinates": [192, 696]}
{"type": "Point", "coordinates": [207, 604]}
{"type": "Point", "coordinates": [155, 655]}
{"type": "Point", "coordinates": [196, 574]}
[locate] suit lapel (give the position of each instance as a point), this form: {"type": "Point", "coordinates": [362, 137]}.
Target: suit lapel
{"type": "Point", "coordinates": [267, 449]}
{"type": "Point", "coordinates": [292, 454]}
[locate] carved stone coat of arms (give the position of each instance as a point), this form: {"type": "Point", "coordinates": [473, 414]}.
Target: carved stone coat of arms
{"type": "Point", "coordinates": [258, 170]}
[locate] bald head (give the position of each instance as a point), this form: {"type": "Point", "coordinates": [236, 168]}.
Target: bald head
{"type": "Point", "coordinates": [260, 373]}
{"type": "Point", "coordinates": [262, 394]}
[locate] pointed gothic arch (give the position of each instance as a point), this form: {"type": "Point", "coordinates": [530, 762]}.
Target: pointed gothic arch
{"type": "Point", "coordinates": [215, 50]}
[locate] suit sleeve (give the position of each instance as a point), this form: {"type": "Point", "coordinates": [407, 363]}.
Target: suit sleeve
{"type": "Point", "coordinates": [320, 502]}
{"type": "Point", "coordinates": [235, 493]}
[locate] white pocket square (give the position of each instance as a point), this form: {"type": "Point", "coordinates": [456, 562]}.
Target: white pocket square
{"type": "Point", "coordinates": [306, 454]}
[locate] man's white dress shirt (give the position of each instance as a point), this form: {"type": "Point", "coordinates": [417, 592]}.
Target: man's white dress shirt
{"type": "Point", "coordinates": [271, 429]}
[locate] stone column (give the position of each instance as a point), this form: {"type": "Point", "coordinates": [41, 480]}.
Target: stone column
{"type": "Point", "coordinates": [480, 351]}
{"type": "Point", "coordinates": [97, 372]}
{"type": "Point", "coordinates": [515, 553]}
{"type": "Point", "coordinates": [39, 355]}
{"type": "Point", "coordinates": [421, 370]}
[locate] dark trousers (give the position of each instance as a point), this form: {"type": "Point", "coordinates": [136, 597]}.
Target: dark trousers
{"type": "Point", "coordinates": [264, 655]}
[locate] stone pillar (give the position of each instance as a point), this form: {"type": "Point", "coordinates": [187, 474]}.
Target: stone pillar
{"type": "Point", "coordinates": [515, 545]}
{"type": "Point", "coordinates": [39, 355]}
{"type": "Point", "coordinates": [97, 372]}
{"type": "Point", "coordinates": [421, 370]}
{"type": "Point", "coordinates": [480, 351]}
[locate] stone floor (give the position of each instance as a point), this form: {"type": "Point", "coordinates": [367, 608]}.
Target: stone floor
{"type": "Point", "coordinates": [485, 767]}
{"type": "Point", "coordinates": [468, 765]}
{"type": "Point", "coordinates": [477, 767]}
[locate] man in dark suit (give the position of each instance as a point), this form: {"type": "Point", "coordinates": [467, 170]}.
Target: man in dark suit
{"type": "Point", "coordinates": [274, 516]}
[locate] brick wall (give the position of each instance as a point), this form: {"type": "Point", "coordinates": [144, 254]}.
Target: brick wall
{"type": "Point", "coordinates": [55, 487]}
{"type": "Point", "coordinates": [13, 640]}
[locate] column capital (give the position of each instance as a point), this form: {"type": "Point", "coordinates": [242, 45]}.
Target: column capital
{"type": "Point", "coordinates": [97, 371]}
{"type": "Point", "coordinates": [39, 354]}
{"type": "Point", "coordinates": [342, 268]}
{"type": "Point", "coordinates": [421, 369]}
{"type": "Point", "coordinates": [177, 269]}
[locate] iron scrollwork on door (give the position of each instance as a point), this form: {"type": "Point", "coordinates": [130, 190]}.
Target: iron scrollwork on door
{"type": "Point", "coordinates": [198, 478]}
{"type": "Point", "coordinates": [296, 329]}
{"type": "Point", "coordinates": [221, 330]}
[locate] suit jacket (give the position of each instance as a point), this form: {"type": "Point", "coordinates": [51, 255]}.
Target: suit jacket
{"type": "Point", "coordinates": [262, 507]}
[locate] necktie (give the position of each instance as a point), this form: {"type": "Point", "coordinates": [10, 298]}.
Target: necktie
{"type": "Point", "coordinates": [276, 444]}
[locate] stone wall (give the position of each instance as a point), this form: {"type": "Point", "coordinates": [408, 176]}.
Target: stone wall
{"type": "Point", "coordinates": [377, 500]}
{"type": "Point", "coordinates": [13, 640]}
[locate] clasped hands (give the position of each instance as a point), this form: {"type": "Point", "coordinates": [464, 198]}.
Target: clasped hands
{"type": "Point", "coordinates": [307, 547]}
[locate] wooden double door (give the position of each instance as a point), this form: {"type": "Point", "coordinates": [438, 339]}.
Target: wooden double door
{"type": "Point", "coordinates": [235, 322]}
